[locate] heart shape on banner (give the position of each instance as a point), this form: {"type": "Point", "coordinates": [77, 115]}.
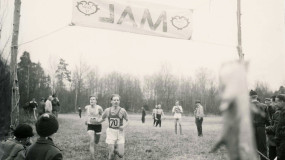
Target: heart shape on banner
{"type": "Point", "coordinates": [180, 22]}
{"type": "Point", "coordinates": [87, 8]}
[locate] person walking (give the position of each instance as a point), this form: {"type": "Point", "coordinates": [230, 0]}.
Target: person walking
{"type": "Point", "coordinates": [177, 114]}
{"type": "Point", "coordinates": [199, 114]}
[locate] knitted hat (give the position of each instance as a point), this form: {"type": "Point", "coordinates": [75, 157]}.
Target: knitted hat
{"type": "Point", "coordinates": [252, 93]}
{"type": "Point", "coordinates": [46, 125]}
{"type": "Point", "coordinates": [23, 131]}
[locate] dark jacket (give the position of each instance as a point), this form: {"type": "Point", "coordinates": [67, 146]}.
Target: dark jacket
{"type": "Point", "coordinates": [13, 150]}
{"type": "Point", "coordinates": [143, 113]}
{"type": "Point", "coordinates": [280, 128]}
{"type": "Point", "coordinates": [55, 104]}
{"type": "Point", "coordinates": [260, 120]}
{"type": "Point", "coordinates": [43, 149]}
{"type": "Point", "coordinates": [271, 129]}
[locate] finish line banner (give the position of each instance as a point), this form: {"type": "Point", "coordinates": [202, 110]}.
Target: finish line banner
{"type": "Point", "coordinates": [132, 16]}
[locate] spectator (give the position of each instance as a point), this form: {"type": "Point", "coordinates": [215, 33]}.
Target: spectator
{"type": "Point", "coordinates": [33, 105]}
{"type": "Point", "coordinates": [270, 130]}
{"type": "Point", "coordinates": [41, 108]}
{"type": "Point", "coordinates": [48, 105]}
{"type": "Point", "coordinates": [44, 148]}
{"type": "Point", "coordinates": [199, 114]}
{"type": "Point", "coordinates": [143, 115]}
{"type": "Point", "coordinates": [79, 111]}
{"type": "Point", "coordinates": [259, 122]}
{"type": "Point", "coordinates": [55, 105]}
{"type": "Point", "coordinates": [15, 148]}
{"type": "Point", "coordinates": [280, 128]}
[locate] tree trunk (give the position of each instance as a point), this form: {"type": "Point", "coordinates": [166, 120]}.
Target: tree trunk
{"type": "Point", "coordinates": [13, 65]}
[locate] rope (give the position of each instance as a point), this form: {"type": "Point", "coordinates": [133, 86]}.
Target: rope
{"type": "Point", "coordinates": [42, 36]}
{"type": "Point", "coordinates": [262, 155]}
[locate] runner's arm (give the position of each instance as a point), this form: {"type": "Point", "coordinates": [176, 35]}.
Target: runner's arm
{"type": "Point", "coordinates": [125, 116]}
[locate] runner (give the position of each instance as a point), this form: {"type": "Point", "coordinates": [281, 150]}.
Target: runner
{"type": "Point", "coordinates": [115, 137]}
{"type": "Point", "coordinates": [177, 111]}
{"type": "Point", "coordinates": [93, 115]}
{"type": "Point", "coordinates": [158, 115]}
{"type": "Point", "coordinates": [153, 115]}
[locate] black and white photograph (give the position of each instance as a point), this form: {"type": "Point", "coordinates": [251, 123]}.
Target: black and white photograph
{"type": "Point", "coordinates": [142, 79]}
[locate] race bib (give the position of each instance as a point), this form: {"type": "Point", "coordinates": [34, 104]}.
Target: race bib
{"type": "Point", "coordinates": [93, 120]}
{"type": "Point", "coordinates": [177, 110]}
{"type": "Point", "coordinates": [114, 123]}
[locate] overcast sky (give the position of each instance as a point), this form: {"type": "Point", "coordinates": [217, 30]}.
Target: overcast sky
{"type": "Point", "coordinates": [213, 42]}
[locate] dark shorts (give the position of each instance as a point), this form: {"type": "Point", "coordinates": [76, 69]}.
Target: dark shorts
{"type": "Point", "coordinates": [95, 128]}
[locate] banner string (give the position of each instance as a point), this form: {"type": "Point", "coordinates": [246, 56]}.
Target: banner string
{"type": "Point", "coordinates": [45, 35]}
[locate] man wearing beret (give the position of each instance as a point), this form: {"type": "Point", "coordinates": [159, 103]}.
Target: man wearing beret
{"type": "Point", "coordinates": [44, 148]}
{"type": "Point", "coordinates": [260, 119]}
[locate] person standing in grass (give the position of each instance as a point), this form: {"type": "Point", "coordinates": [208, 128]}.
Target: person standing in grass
{"type": "Point", "coordinates": [158, 115]}
{"type": "Point", "coordinates": [153, 115]}
{"type": "Point", "coordinates": [199, 114]}
{"type": "Point", "coordinates": [48, 105]}
{"type": "Point", "coordinates": [79, 111]}
{"type": "Point", "coordinates": [143, 115]}
{"type": "Point", "coordinates": [177, 111]}
{"type": "Point", "coordinates": [93, 115]}
{"type": "Point", "coordinates": [115, 136]}
{"type": "Point", "coordinates": [41, 108]}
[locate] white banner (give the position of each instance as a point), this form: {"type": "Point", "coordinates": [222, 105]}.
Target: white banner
{"type": "Point", "coordinates": [134, 16]}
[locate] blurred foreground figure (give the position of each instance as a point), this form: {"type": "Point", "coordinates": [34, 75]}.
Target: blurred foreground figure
{"type": "Point", "coordinates": [237, 131]}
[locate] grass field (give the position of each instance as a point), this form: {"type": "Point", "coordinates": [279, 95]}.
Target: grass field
{"type": "Point", "coordinates": [163, 142]}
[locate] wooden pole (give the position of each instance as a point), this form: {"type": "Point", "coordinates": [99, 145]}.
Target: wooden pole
{"type": "Point", "coordinates": [13, 65]}
{"type": "Point", "coordinates": [239, 46]}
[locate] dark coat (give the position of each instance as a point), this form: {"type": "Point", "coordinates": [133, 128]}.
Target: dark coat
{"type": "Point", "coordinates": [280, 128]}
{"type": "Point", "coordinates": [55, 104]}
{"type": "Point", "coordinates": [271, 129]}
{"type": "Point", "coordinates": [43, 149]}
{"type": "Point", "coordinates": [258, 119]}
{"type": "Point", "coordinates": [280, 135]}
{"type": "Point", "coordinates": [13, 150]}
